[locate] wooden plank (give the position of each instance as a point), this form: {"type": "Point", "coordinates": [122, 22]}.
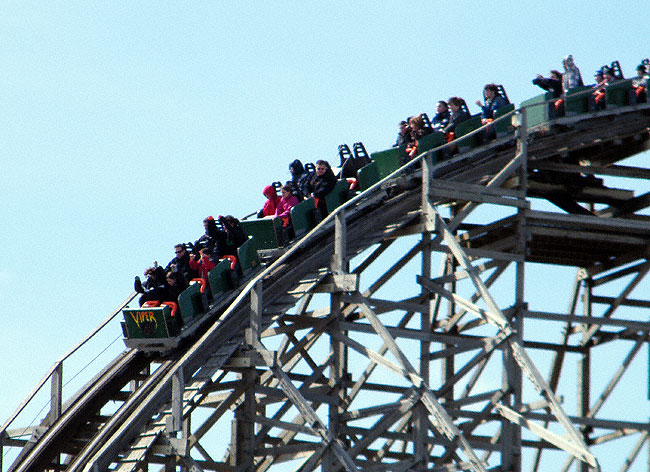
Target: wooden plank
{"type": "Point", "coordinates": [352, 415]}
{"type": "Point", "coordinates": [370, 354]}
{"type": "Point", "coordinates": [479, 230]}
{"type": "Point", "coordinates": [389, 305]}
{"type": "Point", "coordinates": [506, 172]}
{"type": "Point", "coordinates": [486, 344]}
{"type": "Point", "coordinates": [615, 170]}
{"type": "Point", "coordinates": [591, 320]}
{"type": "Point", "coordinates": [580, 453]}
{"type": "Point", "coordinates": [493, 318]}
{"type": "Point", "coordinates": [284, 425]}
{"type": "Point", "coordinates": [593, 236]}
{"type": "Point", "coordinates": [388, 419]}
{"type": "Point", "coordinates": [464, 340]}
{"type": "Point", "coordinates": [583, 194]}
{"type": "Point", "coordinates": [544, 218]}
{"type": "Point", "coordinates": [477, 193]}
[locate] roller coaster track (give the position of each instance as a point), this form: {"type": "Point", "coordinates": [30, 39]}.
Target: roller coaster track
{"type": "Point", "coordinates": [294, 403]}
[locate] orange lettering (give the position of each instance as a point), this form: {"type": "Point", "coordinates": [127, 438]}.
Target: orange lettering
{"type": "Point", "coordinates": [140, 317]}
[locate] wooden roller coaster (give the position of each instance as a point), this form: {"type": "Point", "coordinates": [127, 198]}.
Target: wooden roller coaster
{"type": "Point", "coordinates": [347, 351]}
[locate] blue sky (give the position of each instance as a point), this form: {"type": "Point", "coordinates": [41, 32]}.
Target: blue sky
{"type": "Point", "coordinates": [124, 124]}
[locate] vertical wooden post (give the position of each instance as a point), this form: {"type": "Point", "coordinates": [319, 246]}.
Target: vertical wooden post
{"type": "Point", "coordinates": [449, 362]}
{"type": "Point", "coordinates": [331, 463]}
{"type": "Point", "coordinates": [178, 387]}
{"type": "Point", "coordinates": [583, 382]}
{"type": "Point", "coordinates": [422, 420]}
{"type": "Point", "coordinates": [339, 260]}
{"type": "Point", "coordinates": [647, 442]}
{"type": "Point", "coordinates": [512, 380]}
{"type": "Point", "coordinates": [516, 380]}
{"type": "Point", "coordinates": [428, 215]}
{"type": "Point", "coordinates": [56, 401]}
{"type": "Point", "coordinates": [428, 219]}
{"type": "Point", "coordinates": [246, 424]}
{"type": "Point", "coordinates": [255, 324]}
{"type": "Point", "coordinates": [339, 265]}
{"type": "Point", "coordinates": [56, 394]}
{"type": "Point", "coordinates": [245, 415]}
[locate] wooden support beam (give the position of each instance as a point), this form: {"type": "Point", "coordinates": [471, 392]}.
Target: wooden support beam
{"type": "Point", "coordinates": [441, 420]}
{"type": "Point", "coordinates": [305, 409]}
{"type": "Point", "coordinates": [461, 192]}
{"type": "Point", "coordinates": [56, 394]}
{"type": "Point", "coordinates": [382, 425]}
{"type": "Point", "coordinates": [614, 171]}
{"type": "Point", "coordinates": [568, 446]}
{"type": "Point", "coordinates": [175, 423]}
{"type": "Point", "coordinates": [494, 315]}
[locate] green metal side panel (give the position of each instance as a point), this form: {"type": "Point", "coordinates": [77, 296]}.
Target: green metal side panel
{"type": "Point", "coordinates": [387, 161]}
{"type": "Point", "coordinates": [190, 303]}
{"type": "Point", "coordinates": [368, 176]}
{"type": "Point", "coordinates": [536, 111]}
{"type": "Point", "coordinates": [577, 100]}
{"type": "Point", "coordinates": [337, 196]}
{"type": "Point", "coordinates": [504, 126]}
{"type": "Point", "coordinates": [219, 278]}
{"type": "Point", "coordinates": [149, 323]}
{"type": "Point", "coordinates": [264, 231]}
{"type": "Point", "coordinates": [618, 94]}
{"type": "Point", "coordinates": [467, 127]}
{"type": "Point", "coordinates": [247, 253]}
{"type": "Point", "coordinates": [302, 216]}
{"type": "Point", "coordinates": [431, 141]}
{"type": "Point", "coordinates": [403, 156]}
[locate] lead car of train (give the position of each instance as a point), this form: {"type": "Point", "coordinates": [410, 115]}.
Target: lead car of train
{"type": "Point", "coordinates": [161, 326]}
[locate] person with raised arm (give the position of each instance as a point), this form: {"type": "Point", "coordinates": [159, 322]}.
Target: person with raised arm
{"type": "Point", "coordinates": [493, 101]}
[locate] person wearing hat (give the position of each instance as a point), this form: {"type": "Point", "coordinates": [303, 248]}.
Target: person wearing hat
{"type": "Point", "coordinates": [639, 94]}
{"type": "Point", "coordinates": [272, 200]}
{"type": "Point", "coordinates": [298, 177]}
{"type": "Point", "coordinates": [598, 78]}
{"type": "Point", "coordinates": [599, 93]}
{"type": "Point", "coordinates": [209, 239]}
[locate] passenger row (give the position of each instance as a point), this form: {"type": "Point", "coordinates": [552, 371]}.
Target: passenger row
{"type": "Point", "coordinates": [567, 95]}
{"type": "Point", "coordinates": [449, 115]}
{"type": "Point", "coordinates": [418, 134]}
{"type": "Point", "coordinates": [199, 273]}
{"type": "Point", "coordinates": [215, 263]}
{"type": "Point", "coordinates": [224, 237]}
